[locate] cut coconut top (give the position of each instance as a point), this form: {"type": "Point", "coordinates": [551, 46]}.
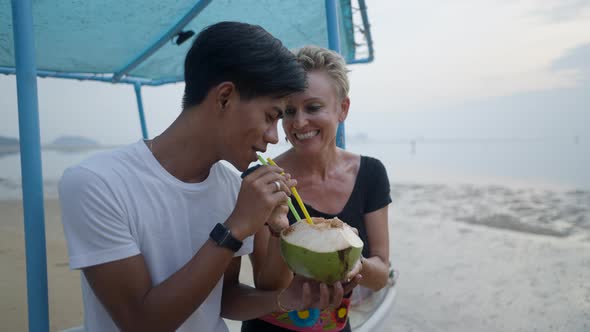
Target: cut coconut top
{"type": "Point", "coordinates": [324, 235]}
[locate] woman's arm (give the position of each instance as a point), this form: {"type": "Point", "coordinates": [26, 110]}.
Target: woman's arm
{"type": "Point", "coordinates": [269, 269]}
{"type": "Point", "coordinates": [238, 299]}
{"type": "Point", "coordinates": [375, 269]}
{"type": "Point", "coordinates": [241, 302]}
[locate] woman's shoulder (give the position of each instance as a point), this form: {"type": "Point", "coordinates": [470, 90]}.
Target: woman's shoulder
{"type": "Point", "coordinates": [372, 164]}
{"type": "Point", "coordinates": [350, 157]}
{"type": "Point", "coordinates": [363, 159]}
{"type": "Point", "coordinates": [372, 160]}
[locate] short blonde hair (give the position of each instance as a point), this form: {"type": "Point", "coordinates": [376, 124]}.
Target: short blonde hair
{"type": "Point", "coordinates": [313, 57]}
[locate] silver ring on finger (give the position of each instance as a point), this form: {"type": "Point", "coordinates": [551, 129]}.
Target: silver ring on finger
{"type": "Point", "coordinates": [278, 184]}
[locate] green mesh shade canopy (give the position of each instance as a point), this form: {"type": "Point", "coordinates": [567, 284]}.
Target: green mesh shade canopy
{"type": "Point", "coordinates": [104, 37]}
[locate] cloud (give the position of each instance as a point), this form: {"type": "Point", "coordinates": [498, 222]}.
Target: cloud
{"type": "Point", "coordinates": [558, 11]}
{"type": "Point", "coordinates": [575, 59]}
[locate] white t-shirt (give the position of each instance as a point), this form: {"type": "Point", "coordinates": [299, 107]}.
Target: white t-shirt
{"type": "Point", "coordinates": [122, 203]}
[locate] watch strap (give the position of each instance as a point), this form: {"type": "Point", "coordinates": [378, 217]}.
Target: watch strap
{"type": "Point", "coordinates": [222, 236]}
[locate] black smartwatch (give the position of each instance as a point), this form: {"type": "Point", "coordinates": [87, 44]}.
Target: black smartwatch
{"type": "Point", "coordinates": [222, 236]}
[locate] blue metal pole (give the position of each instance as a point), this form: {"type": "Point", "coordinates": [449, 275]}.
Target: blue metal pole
{"type": "Point", "coordinates": [367, 29]}
{"type": "Point", "coordinates": [30, 155]}
{"type": "Point", "coordinates": [144, 132]}
{"type": "Point", "coordinates": [334, 44]}
{"type": "Point", "coordinates": [332, 22]}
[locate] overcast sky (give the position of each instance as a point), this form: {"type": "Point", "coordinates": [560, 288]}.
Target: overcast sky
{"type": "Point", "coordinates": [430, 56]}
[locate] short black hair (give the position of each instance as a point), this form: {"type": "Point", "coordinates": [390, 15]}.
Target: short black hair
{"type": "Point", "coordinates": [247, 55]}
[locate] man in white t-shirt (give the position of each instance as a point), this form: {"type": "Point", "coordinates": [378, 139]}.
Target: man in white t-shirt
{"type": "Point", "coordinates": [158, 227]}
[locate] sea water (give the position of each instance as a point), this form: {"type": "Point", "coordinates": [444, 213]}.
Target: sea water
{"type": "Point", "coordinates": [554, 163]}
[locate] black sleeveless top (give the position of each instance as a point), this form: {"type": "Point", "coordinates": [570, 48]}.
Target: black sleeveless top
{"type": "Point", "coordinates": [370, 193]}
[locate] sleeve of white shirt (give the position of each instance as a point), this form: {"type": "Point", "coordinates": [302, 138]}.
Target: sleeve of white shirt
{"type": "Point", "coordinates": [96, 228]}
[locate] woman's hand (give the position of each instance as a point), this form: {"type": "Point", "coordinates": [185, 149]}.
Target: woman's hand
{"type": "Point", "coordinates": [358, 266]}
{"type": "Point", "coordinates": [355, 273]}
{"type": "Point", "coordinates": [278, 219]}
{"type": "Point", "coordinates": [304, 293]}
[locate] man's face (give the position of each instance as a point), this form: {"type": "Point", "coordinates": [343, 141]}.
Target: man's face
{"type": "Point", "coordinates": [250, 125]}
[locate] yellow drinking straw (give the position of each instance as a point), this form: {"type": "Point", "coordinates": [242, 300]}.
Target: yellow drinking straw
{"type": "Point", "coordinates": [296, 194]}
{"type": "Point", "coordinates": [291, 207]}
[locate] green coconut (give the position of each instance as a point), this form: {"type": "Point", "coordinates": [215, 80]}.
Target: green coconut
{"type": "Point", "coordinates": [325, 251]}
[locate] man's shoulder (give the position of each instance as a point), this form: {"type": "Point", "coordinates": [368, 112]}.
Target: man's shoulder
{"type": "Point", "coordinates": [107, 160]}
{"type": "Point", "coordinates": [100, 166]}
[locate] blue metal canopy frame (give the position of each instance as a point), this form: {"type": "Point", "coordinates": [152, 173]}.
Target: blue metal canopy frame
{"type": "Point", "coordinates": [162, 40]}
{"type": "Point", "coordinates": [30, 143]}
{"type": "Point", "coordinates": [30, 156]}
{"type": "Point", "coordinates": [334, 45]}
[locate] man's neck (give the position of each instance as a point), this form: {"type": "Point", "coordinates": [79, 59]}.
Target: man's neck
{"type": "Point", "coordinates": [186, 149]}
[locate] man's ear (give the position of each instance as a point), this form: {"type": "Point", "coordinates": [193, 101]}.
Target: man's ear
{"type": "Point", "coordinates": [224, 92]}
{"type": "Point", "coordinates": [344, 106]}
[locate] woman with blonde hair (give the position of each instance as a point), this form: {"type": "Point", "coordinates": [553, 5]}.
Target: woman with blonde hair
{"type": "Point", "coordinates": [333, 183]}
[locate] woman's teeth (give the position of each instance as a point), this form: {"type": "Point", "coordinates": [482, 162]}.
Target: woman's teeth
{"type": "Point", "coordinates": [307, 135]}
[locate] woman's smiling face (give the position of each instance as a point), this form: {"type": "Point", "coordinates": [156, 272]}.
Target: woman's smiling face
{"type": "Point", "coordinates": [311, 118]}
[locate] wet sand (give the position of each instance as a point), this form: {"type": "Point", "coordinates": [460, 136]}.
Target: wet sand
{"type": "Point", "coordinates": [471, 258]}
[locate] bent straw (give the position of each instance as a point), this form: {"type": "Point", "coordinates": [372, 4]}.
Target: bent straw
{"type": "Point", "coordinates": [291, 207]}
{"type": "Point", "coordinates": [297, 197]}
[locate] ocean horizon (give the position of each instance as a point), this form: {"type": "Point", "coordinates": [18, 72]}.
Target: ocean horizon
{"type": "Point", "coordinates": [552, 163]}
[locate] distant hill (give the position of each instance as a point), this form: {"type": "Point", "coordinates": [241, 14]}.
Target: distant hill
{"type": "Point", "coordinates": [74, 141]}
{"type": "Point", "coordinates": [8, 141]}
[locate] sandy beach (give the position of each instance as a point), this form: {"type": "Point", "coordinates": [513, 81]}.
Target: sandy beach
{"type": "Point", "coordinates": [471, 258]}
{"type": "Point", "coordinates": [491, 258]}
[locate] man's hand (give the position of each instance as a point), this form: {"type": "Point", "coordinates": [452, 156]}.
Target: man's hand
{"type": "Point", "coordinates": [278, 218]}
{"type": "Point", "coordinates": [262, 191]}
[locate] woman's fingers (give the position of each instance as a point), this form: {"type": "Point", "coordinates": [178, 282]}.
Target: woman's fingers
{"type": "Point", "coordinates": [278, 218]}
{"type": "Point", "coordinates": [313, 294]}
{"type": "Point", "coordinates": [337, 294]}
{"type": "Point", "coordinates": [349, 286]}
{"type": "Point", "coordinates": [356, 269]}
{"type": "Point", "coordinates": [306, 299]}
{"type": "Point", "coordinates": [324, 296]}
{"type": "Point", "coordinates": [289, 181]}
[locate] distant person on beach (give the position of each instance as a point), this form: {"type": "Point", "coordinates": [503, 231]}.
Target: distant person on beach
{"type": "Point", "coordinates": [158, 227]}
{"type": "Point", "coordinates": [333, 183]}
